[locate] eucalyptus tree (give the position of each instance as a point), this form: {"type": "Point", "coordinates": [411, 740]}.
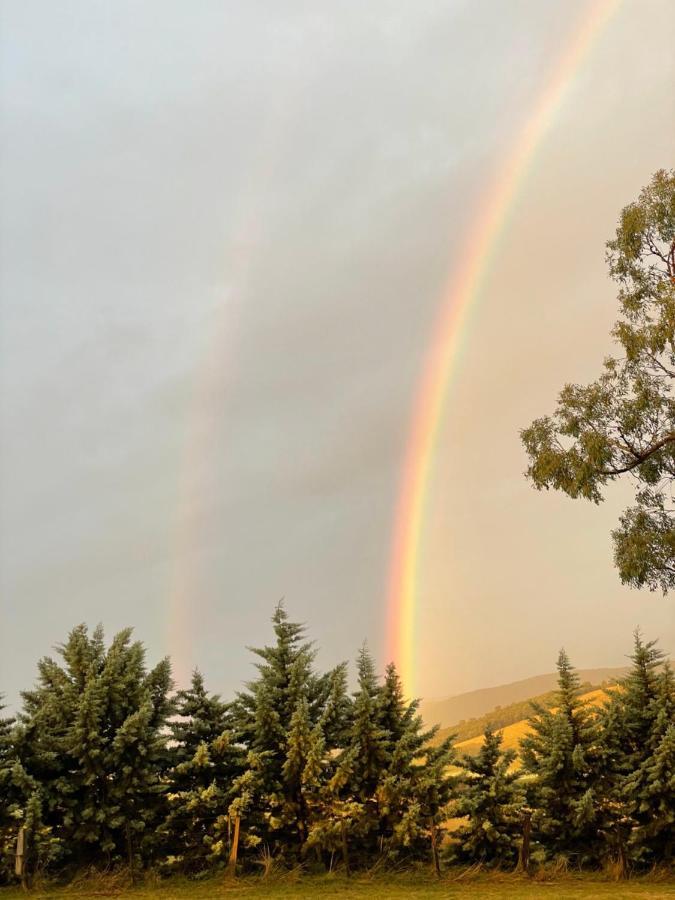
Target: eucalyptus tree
{"type": "Point", "coordinates": [623, 424]}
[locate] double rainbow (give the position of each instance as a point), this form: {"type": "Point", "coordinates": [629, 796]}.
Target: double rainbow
{"type": "Point", "coordinates": [459, 298]}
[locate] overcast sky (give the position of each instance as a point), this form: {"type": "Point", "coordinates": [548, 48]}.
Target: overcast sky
{"type": "Point", "coordinates": [224, 233]}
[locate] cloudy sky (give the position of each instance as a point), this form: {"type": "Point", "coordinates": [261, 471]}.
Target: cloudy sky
{"type": "Point", "coordinates": [224, 235]}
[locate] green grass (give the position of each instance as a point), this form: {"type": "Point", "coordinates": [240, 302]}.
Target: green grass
{"type": "Point", "coordinates": [382, 888]}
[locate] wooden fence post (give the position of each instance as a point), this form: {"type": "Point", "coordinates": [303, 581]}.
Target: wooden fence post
{"type": "Point", "coordinates": [20, 857]}
{"type": "Point", "coordinates": [232, 864]}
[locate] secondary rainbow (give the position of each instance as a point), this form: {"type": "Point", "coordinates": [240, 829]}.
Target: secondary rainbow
{"type": "Point", "coordinates": [459, 299]}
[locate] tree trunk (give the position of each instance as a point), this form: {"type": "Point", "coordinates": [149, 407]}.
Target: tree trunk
{"type": "Point", "coordinates": [524, 852]}
{"type": "Point", "coordinates": [303, 818]}
{"type": "Point", "coordinates": [345, 849]}
{"type": "Point", "coordinates": [434, 848]}
{"type": "Point", "coordinates": [623, 862]}
{"type": "Point", "coordinates": [130, 853]}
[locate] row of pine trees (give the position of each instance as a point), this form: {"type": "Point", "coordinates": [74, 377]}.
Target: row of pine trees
{"type": "Point", "coordinates": [106, 766]}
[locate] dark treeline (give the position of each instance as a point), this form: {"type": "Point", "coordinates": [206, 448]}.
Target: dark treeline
{"type": "Point", "coordinates": [106, 766]}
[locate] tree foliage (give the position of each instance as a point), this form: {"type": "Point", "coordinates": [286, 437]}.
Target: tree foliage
{"type": "Point", "coordinates": [205, 762]}
{"type": "Point", "coordinates": [90, 746]}
{"type": "Point", "coordinates": [491, 803]}
{"type": "Point", "coordinates": [562, 754]}
{"type": "Point", "coordinates": [638, 744]}
{"type": "Point", "coordinates": [103, 767]}
{"type": "Point", "coordinates": [623, 424]}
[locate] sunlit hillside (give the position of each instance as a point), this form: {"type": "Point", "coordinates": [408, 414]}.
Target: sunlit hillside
{"type": "Point", "coordinates": [450, 711]}
{"type": "Point", "coordinates": [513, 734]}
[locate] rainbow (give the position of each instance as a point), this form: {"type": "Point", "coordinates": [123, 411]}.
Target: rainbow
{"type": "Point", "coordinates": [197, 458]}
{"type": "Point", "coordinates": [459, 299]}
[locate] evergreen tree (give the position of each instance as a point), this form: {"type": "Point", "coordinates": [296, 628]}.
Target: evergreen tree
{"type": "Point", "coordinates": [490, 800]}
{"type": "Point", "coordinates": [649, 790]}
{"type": "Point", "coordinates": [274, 718]}
{"type": "Point", "coordinates": [199, 718]}
{"type": "Point", "coordinates": [562, 752]}
{"type": "Point", "coordinates": [298, 749]}
{"type": "Point", "coordinates": [434, 791]}
{"type": "Point", "coordinates": [250, 803]}
{"type": "Point", "coordinates": [41, 844]}
{"type": "Point", "coordinates": [5, 734]}
{"type": "Point", "coordinates": [361, 763]}
{"type": "Point", "coordinates": [657, 797]}
{"type": "Point", "coordinates": [201, 783]}
{"type": "Point", "coordinates": [328, 814]}
{"type": "Point", "coordinates": [10, 800]}
{"type": "Point", "coordinates": [336, 712]}
{"type": "Point", "coordinates": [391, 785]}
{"type": "Point", "coordinates": [6, 762]}
{"type": "Point", "coordinates": [635, 704]}
{"type": "Point", "coordinates": [638, 724]}
{"type": "Point", "coordinates": [90, 738]}
{"type": "Point", "coordinates": [414, 789]}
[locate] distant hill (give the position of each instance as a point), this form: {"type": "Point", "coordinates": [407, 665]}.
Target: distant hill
{"type": "Point", "coordinates": [454, 711]}
{"type": "Point", "coordinates": [513, 734]}
{"type": "Point", "coordinates": [501, 717]}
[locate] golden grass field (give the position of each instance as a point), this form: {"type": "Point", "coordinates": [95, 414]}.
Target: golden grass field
{"type": "Point", "coordinates": [513, 734]}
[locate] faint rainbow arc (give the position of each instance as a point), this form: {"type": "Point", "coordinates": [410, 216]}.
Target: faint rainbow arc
{"type": "Point", "coordinates": [197, 459]}
{"type": "Point", "coordinates": [459, 298]}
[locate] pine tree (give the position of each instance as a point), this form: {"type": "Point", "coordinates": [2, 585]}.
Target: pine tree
{"type": "Point", "coordinates": [335, 716]}
{"type": "Point", "coordinates": [390, 784]}
{"type": "Point", "coordinates": [369, 742]}
{"type": "Point", "coordinates": [200, 784]}
{"type": "Point", "coordinates": [250, 806]}
{"type": "Point", "coordinates": [10, 800]}
{"type": "Point", "coordinates": [199, 718]}
{"type": "Point", "coordinates": [415, 788]}
{"type": "Point", "coordinates": [562, 752]}
{"type": "Point", "coordinates": [328, 814]}
{"type": "Point", "coordinates": [6, 761]}
{"type": "Point", "coordinates": [293, 770]}
{"type": "Point", "coordinates": [91, 738]}
{"type": "Point", "coordinates": [636, 702]}
{"type": "Point", "coordinates": [360, 765]}
{"type": "Point", "coordinates": [491, 801]}
{"type": "Point", "coordinates": [41, 845]}
{"type": "Point", "coordinates": [274, 718]}
{"type": "Point", "coordinates": [658, 797]}
{"type": "Point", "coordinates": [645, 782]}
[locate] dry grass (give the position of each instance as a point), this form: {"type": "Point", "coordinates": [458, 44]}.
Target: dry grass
{"type": "Point", "coordinates": [512, 735]}
{"type": "Point", "coordinates": [460, 883]}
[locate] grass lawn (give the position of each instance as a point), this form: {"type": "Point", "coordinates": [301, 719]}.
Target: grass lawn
{"type": "Point", "coordinates": [382, 888]}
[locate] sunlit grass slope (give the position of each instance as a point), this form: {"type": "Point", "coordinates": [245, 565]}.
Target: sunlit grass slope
{"type": "Point", "coordinates": [514, 733]}
{"type": "Point", "coordinates": [473, 705]}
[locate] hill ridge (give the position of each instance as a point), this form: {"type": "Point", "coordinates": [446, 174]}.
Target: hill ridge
{"type": "Point", "coordinates": [457, 708]}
